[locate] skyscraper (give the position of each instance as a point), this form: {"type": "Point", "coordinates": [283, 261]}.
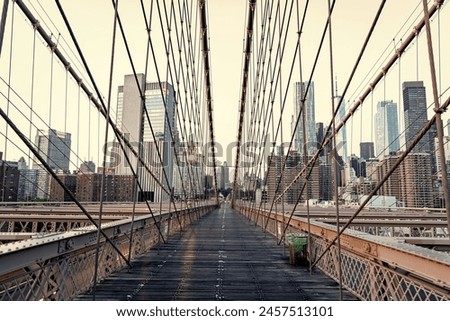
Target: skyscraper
{"type": "Point", "coordinates": [366, 150]}
{"type": "Point", "coordinates": [226, 174]}
{"type": "Point", "coordinates": [320, 134]}
{"type": "Point", "coordinates": [415, 113]}
{"type": "Point", "coordinates": [27, 181]}
{"type": "Point", "coordinates": [411, 182]}
{"type": "Point", "coordinates": [341, 138]}
{"type": "Point", "coordinates": [416, 178]}
{"type": "Point", "coordinates": [9, 181]}
{"type": "Point", "coordinates": [386, 128]}
{"type": "Point", "coordinates": [132, 120]}
{"type": "Point", "coordinates": [54, 147]}
{"type": "Point", "coordinates": [310, 124]}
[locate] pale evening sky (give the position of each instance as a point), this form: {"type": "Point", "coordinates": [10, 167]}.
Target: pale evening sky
{"type": "Point", "coordinates": [92, 24]}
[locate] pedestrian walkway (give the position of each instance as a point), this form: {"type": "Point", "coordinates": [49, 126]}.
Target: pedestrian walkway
{"type": "Point", "coordinates": [223, 256]}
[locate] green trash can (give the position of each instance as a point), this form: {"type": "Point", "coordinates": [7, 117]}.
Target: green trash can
{"type": "Point", "coordinates": [298, 254]}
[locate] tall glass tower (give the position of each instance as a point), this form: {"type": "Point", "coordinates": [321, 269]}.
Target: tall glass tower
{"type": "Point", "coordinates": [132, 120]}
{"type": "Point", "coordinates": [415, 113]}
{"type": "Point", "coordinates": [310, 123]}
{"type": "Point", "coordinates": [54, 147]}
{"type": "Point", "coordinates": [341, 138]}
{"type": "Point", "coordinates": [386, 128]}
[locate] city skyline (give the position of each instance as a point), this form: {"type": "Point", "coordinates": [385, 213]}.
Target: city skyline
{"type": "Point", "coordinates": [348, 139]}
{"type": "Point", "coordinates": [224, 97]}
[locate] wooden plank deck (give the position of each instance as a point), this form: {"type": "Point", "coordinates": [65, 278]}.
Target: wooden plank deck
{"type": "Point", "coordinates": [223, 256]}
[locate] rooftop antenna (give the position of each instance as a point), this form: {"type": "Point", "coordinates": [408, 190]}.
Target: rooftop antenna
{"type": "Point", "coordinates": [336, 85]}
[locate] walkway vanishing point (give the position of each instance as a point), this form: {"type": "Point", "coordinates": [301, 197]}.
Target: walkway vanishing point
{"type": "Point", "coordinates": [222, 256]}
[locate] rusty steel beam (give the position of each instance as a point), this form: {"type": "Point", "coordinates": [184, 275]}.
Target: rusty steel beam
{"type": "Point", "coordinates": [18, 255]}
{"type": "Point", "coordinates": [386, 222]}
{"type": "Point", "coordinates": [58, 218]}
{"type": "Point", "coordinates": [425, 264]}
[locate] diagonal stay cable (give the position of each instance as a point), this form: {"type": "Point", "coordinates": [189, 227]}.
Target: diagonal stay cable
{"type": "Point", "coordinates": [59, 181]}
{"type": "Point", "coordinates": [366, 93]}
{"type": "Point", "coordinates": [103, 177]}
{"type": "Point", "coordinates": [208, 86]}
{"type": "Point", "coordinates": [245, 72]}
{"type": "Point", "coordinates": [102, 108]}
{"type": "Point", "coordinates": [335, 155]}
{"type": "Point", "coordinates": [306, 91]}
{"type": "Point", "coordinates": [283, 99]}
{"type": "Point", "coordinates": [122, 139]}
{"type": "Point", "coordinates": [327, 139]}
{"type": "Point", "coordinates": [358, 103]}
{"type": "Point", "coordinates": [272, 71]}
{"type": "Point", "coordinates": [171, 71]}
{"type": "Point", "coordinates": [438, 112]}
{"type": "Point", "coordinates": [163, 97]}
{"type": "Point", "coordinates": [420, 134]}
{"type": "Point", "coordinates": [142, 96]}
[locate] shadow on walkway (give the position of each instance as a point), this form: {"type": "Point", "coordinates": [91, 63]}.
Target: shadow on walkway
{"type": "Point", "coordinates": [223, 256]}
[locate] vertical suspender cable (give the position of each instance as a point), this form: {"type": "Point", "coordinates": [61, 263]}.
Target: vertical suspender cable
{"type": "Point", "coordinates": [438, 110]}
{"type": "Point", "coordinates": [305, 158]}
{"type": "Point", "coordinates": [282, 176]}
{"type": "Point", "coordinates": [417, 54]}
{"type": "Point", "coordinates": [89, 130]}
{"type": "Point", "coordinates": [149, 39]}
{"type": "Point", "coordinates": [122, 140]}
{"type": "Point", "coordinates": [335, 155]}
{"type": "Point", "coordinates": [33, 70]}
{"type": "Point", "coordinates": [206, 61]}
{"type": "Point", "coordinates": [140, 149]}
{"type": "Point", "coordinates": [371, 113]}
{"type": "Point", "coordinates": [368, 91]}
{"type": "Point", "coordinates": [65, 100]}
{"type": "Point", "coordinates": [57, 179]}
{"type": "Point", "coordinates": [102, 182]}
{"type": "Point", "coordinates": [245, 74]}
{"type": "Point", "coordinates": [276, 198]}
{"type": "Point", "coordinates": [5, 153]}
{"type": "Point", "coordinates": [78, 121]}
{"type": "Point", "coordinates": [50, 104]}
{"type": "Point", "coordinates": [357, 104]}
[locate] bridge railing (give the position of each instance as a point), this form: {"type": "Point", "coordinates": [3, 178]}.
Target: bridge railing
{"type": "Point", "coordinates": [60, 266]}
{"type": "Point", "coordinates": [373, 267]}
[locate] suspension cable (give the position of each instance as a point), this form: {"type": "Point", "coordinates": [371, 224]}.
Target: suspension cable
{"type": "Point", "coordinates": [60, 182]}
{"type": "Point", "coordinates": [334, 148]}
{"type": "Point", "coordinates": [327, 138]}
{"type": "Point", "coordinates": [416, 140]}
{"type": "Point", "coordinates": [438, 112]}
{"type": "Point", "coordinates": [8, 96]}
{"type": "Point", "coordinates": [103, 177]}
{"type": "Point", "coordinates": [245, 74]}
{"type": "Point", "coordinates": [101, 107]}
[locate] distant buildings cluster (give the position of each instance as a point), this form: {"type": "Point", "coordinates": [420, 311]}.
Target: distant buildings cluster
{"type": "Point", "coordinates": [171, 166]}
{"type": "Point", "coordinates": [416, 182]}
{"type": "Point", "coordinates": [22, 183]}
{"type": "Point", "coordinates": [178, 165]}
